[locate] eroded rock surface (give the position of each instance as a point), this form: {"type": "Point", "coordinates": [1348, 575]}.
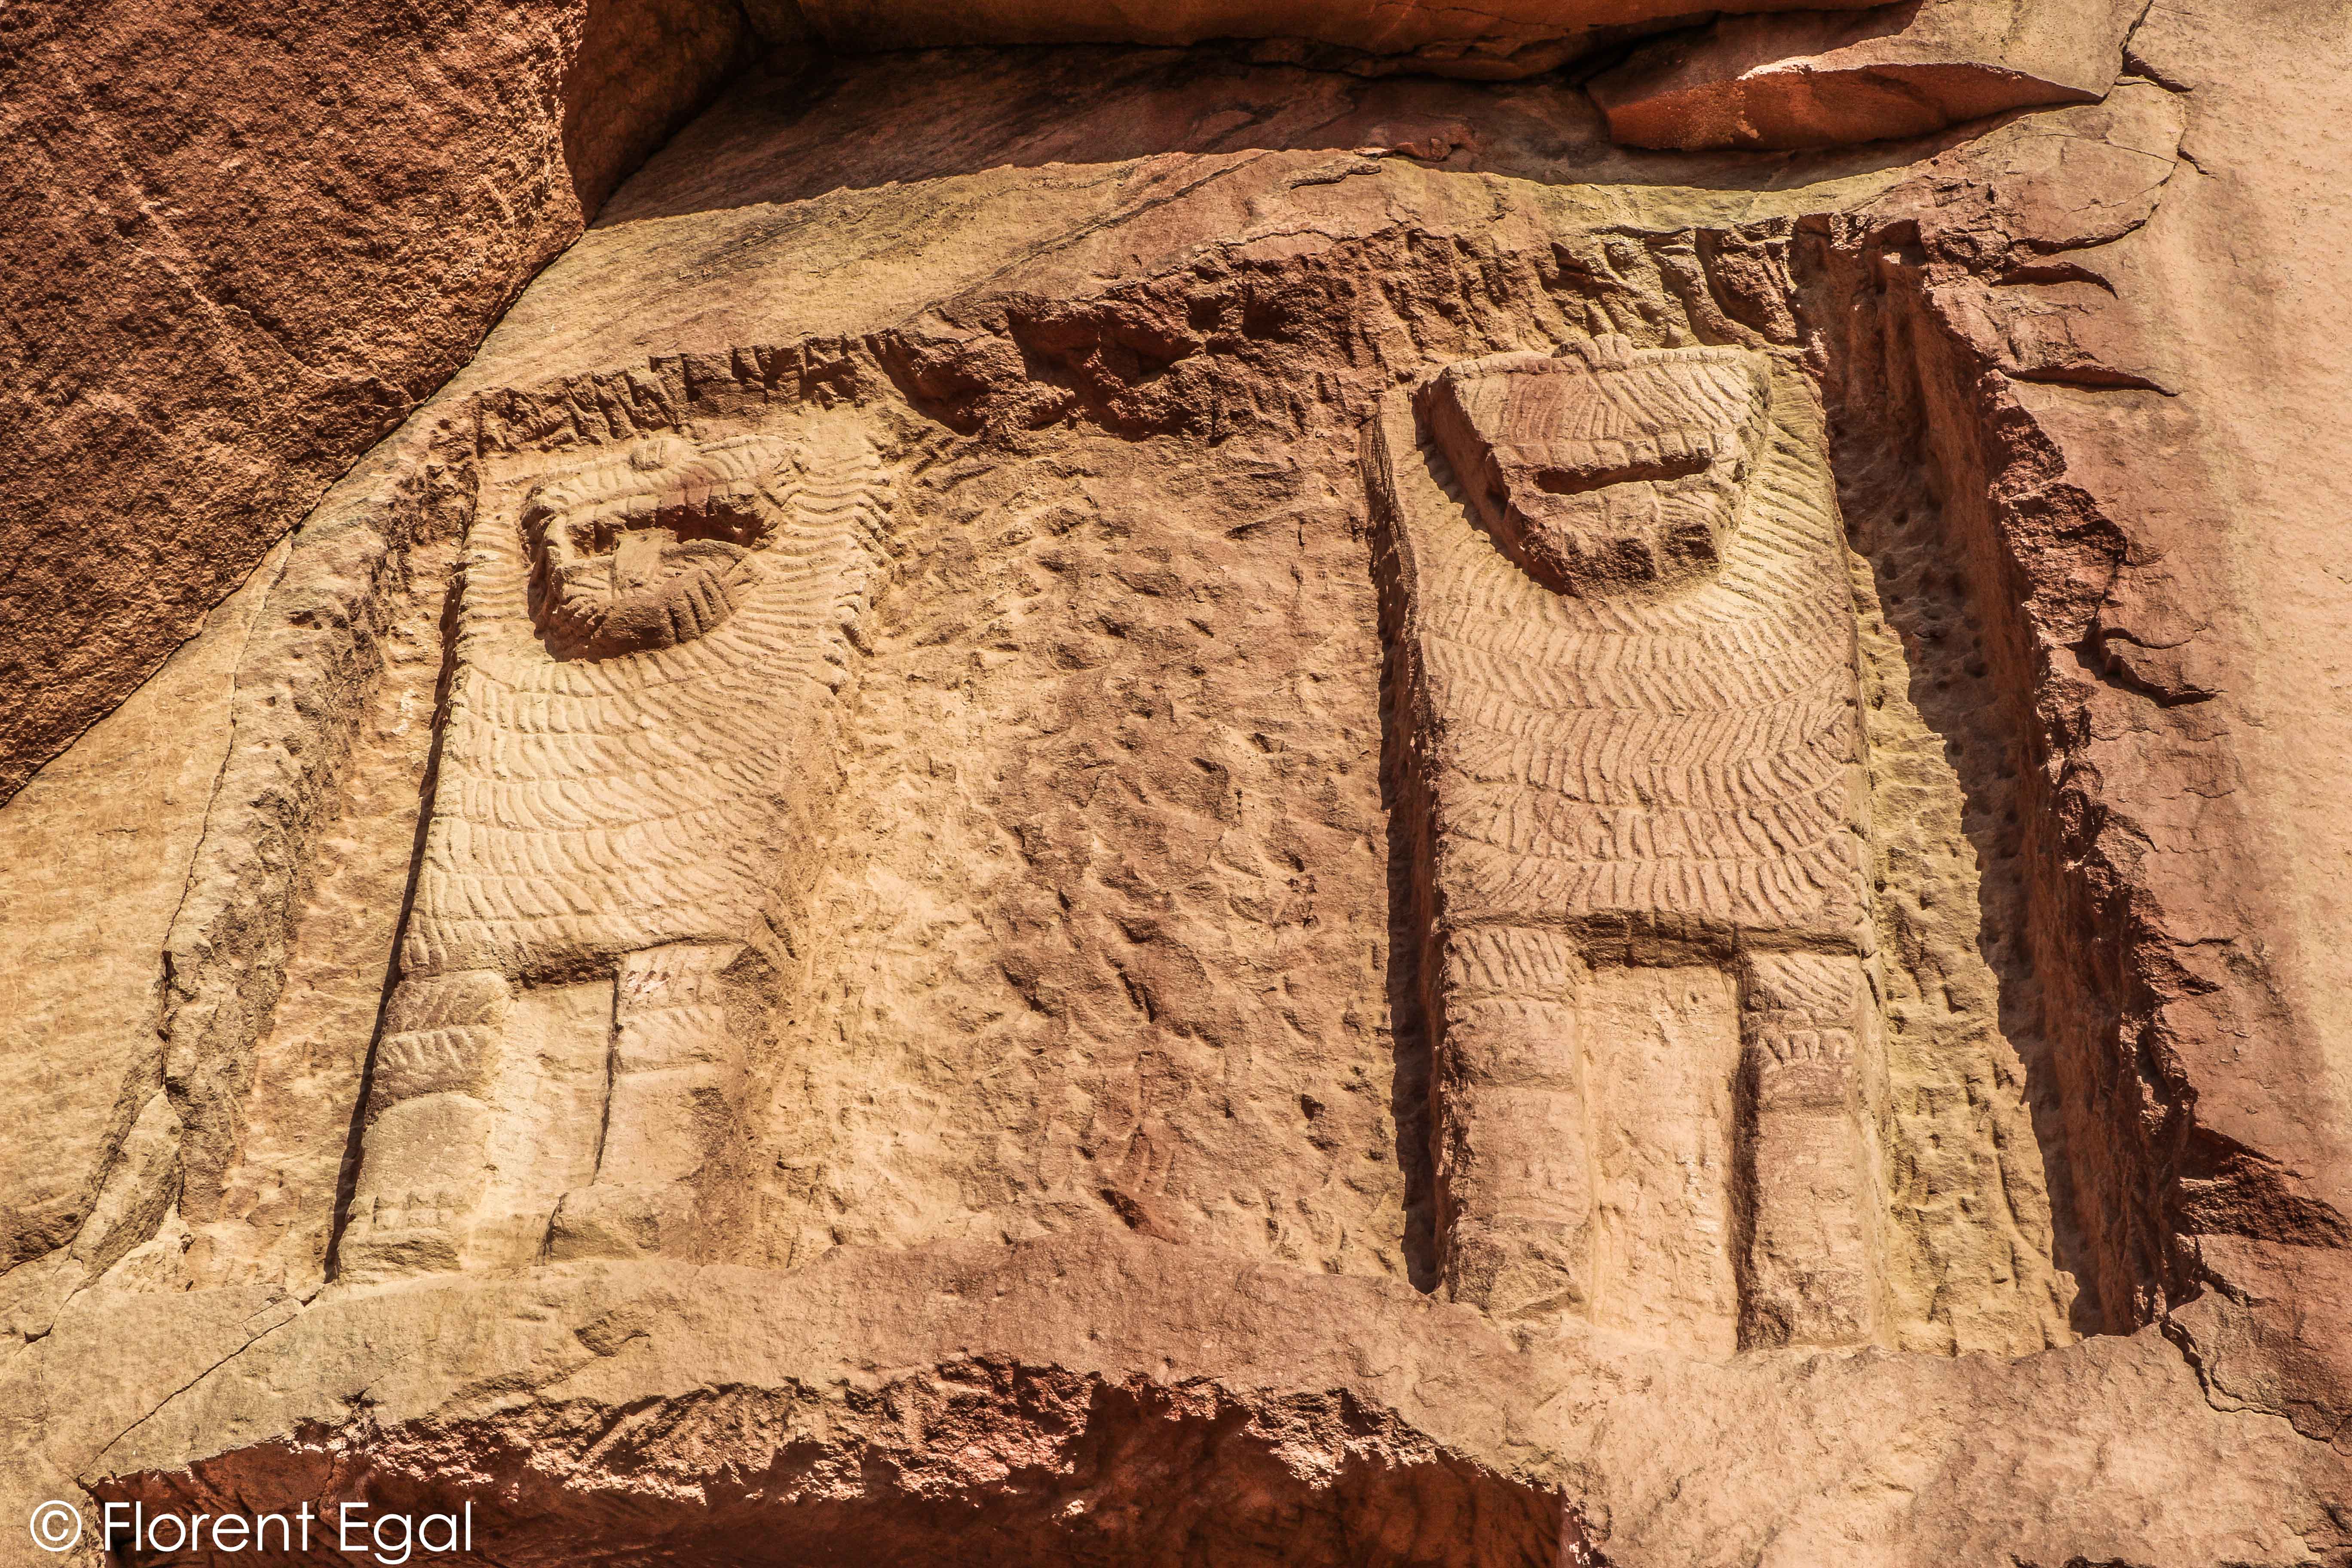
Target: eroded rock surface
{"type": "Point", "coordinates": [242, 242]}
{"type": "Point", "coordinates": [1823, 80]}
{"type": "Point", "coordinates": [1501, 41]}
{"type": "Point", "coordinates": [1101, 803]}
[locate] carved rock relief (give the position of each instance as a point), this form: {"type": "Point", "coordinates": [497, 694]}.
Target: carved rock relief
{"type": "Point", "coordinates": [1123, 906]}
{"type": "Point", "coordinates": [1659, 1093]}
{"type": "Point", "coordinates": [1636, 746]}
{"type": "Point", "coordinates": [647, 655]}
{"type": "Point", "coordinates": [1596, 470]}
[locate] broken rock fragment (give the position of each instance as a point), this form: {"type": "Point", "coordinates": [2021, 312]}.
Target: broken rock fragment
{"type": "Point", "coordinates": [1820, 78]}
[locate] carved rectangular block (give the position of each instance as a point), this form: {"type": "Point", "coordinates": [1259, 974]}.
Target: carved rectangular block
{"type": "Point", "coordinates": [452, 1061]}
{"type": "Point", "coordinates": [1811, 1186]}
{"type": "Point", "coordinates": [1662, 1058]}
{"type": "Point", "coordinates": [1514, 1175]}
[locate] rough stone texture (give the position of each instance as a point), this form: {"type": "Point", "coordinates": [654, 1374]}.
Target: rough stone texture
{"type": "Point", "coordinates": [1104, 1397]}
{"type": "Point", "coordinates": [1130, 1137]}
{"type": "Point", "coordinates": [1508, 39]}
{"type": "Point", "coordinates": [75, 831]}
{"type": "Point", "coordinates": [241, 242]}
{"type": "Point", "coordinates": [1824, 80]}
{"type": "Point", "coordinates": [2178, 938]}
{"type": "Point", "coordinates": [1642, 810]}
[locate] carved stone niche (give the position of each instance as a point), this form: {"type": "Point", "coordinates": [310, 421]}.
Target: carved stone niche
{"type": "Point", "coordinates": [649, 653]}
{"type": "Point", "coordinates": [1636, 781]}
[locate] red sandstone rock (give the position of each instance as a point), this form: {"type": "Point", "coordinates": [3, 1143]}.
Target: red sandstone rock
{"type": "Point", "coordinates": [1078, 1199]}
{"type": "Point", "coordinates": [237, 245]}
{"type": "Point", "coordinates": [1506, 39]}
{"type": "Point", "coordinates": [1823, 80]}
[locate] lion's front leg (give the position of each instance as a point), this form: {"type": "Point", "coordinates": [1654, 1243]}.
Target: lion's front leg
{"type": "Point", "coordinates": [676, 1085]}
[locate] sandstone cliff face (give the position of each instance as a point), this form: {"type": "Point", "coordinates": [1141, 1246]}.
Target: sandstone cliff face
{"type": "Point", "coordinates": [1827, 78]}
{"type": "Point", "coordinates": [242, 244]}
{"type": "Point", "coordinates": [1113, 946]}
